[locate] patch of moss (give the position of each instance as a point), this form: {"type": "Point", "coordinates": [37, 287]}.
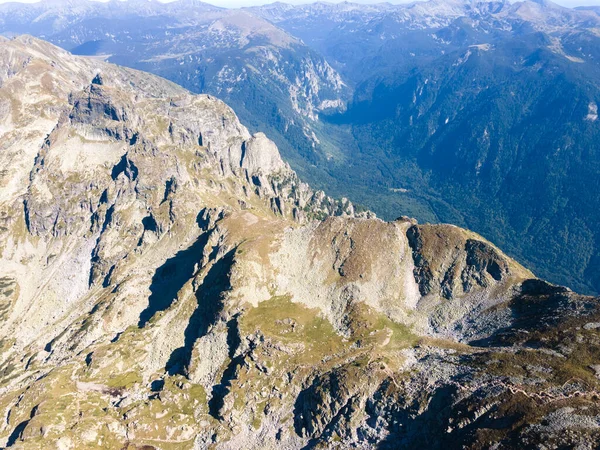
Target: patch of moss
{"type": "Point", "coordinates": [374, 328]}
{"type": "Point", "coordinates": [290, 322]}
{"type": "Point", "coordinates": [124, 380]}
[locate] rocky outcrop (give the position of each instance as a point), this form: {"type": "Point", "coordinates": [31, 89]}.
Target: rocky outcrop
{"type": "Point", "coordinates": [449, 263]}
{"type": "Point", "coordinates": [167, 280]}
{"type": "Point", "coordinates": [260, 155]}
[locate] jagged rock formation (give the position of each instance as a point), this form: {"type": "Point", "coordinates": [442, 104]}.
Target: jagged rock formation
{"type": "Point", "coordinates": [168, 282]}
{"type": "Point", "coordinates": [272, 79]}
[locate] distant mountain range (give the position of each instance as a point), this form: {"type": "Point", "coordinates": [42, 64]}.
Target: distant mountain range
{"type": "Point", "coordinates": [479, 113]}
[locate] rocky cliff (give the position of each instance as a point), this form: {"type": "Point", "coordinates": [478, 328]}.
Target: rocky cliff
{"type": "Point", "coordinates": [167, 281]}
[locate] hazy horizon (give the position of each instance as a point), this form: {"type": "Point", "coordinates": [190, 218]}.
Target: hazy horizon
{"type": "Point", "coordinates": [241, 3]}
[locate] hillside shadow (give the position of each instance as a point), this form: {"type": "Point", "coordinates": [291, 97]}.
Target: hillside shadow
{"type": "Point", "coordinates": [169, 278]}
{"type": "Point", "coordinates": [410, 429]}
{"type": "Point", "coordinates": [220, 391]}
{"type": "Point", "coordinates": [210, 302]}
{"type": "Point", "coordinates": [17, 433]}
{"type": "Point", "coordinates": [540, 306]}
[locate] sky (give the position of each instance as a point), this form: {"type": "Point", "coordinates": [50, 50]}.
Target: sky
{"type": "Point", "coordinates": [237, 3]}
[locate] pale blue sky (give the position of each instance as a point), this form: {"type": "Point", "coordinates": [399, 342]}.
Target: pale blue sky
{"type": "Point", "coordinates": [235, 3]}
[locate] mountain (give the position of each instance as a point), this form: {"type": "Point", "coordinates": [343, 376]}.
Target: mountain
{"type": "Point", "coordinates": [481, 114]}
{"type": "Point", "coordinates": [515, 164]}
{"type": "Point", "coordinates": [346, 92]}
{"type": "Point", "coordinates": [596, 9]}
{"type": "Point", "coordinates": [274, 81]}
{"type": "Point", "coordinates": [364, 41]}
{"type": "Point", "coordinates": [167, 281]}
